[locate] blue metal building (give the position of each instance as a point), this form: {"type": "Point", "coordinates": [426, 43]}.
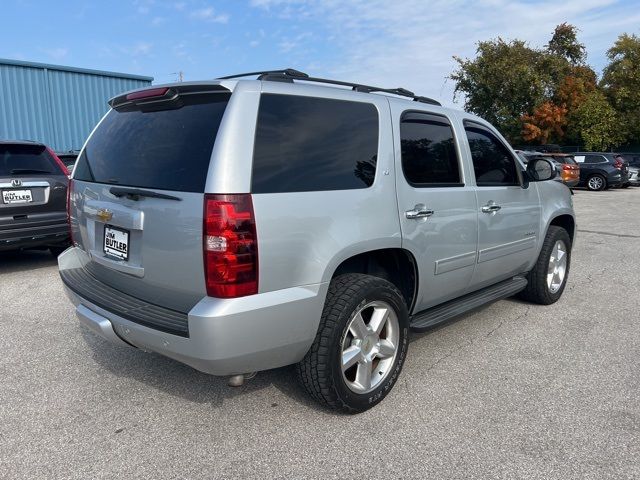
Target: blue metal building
{"type": "Point", "coordinates": [56, 105]}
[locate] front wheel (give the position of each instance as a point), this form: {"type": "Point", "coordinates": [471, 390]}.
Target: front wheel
{"type": "Point", "coordinates": [360, 346]}
{"type": "Point", "coordinates": [596, 183]}
{"type": "Point", "coordinates": [549, 275]}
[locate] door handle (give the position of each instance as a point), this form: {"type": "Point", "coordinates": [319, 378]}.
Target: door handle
{"type": "Point", "coordinates": [491, 207]}
{"type": "Point", "coordinates": [419, 211]}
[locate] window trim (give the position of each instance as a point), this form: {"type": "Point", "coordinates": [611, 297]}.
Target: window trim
{"type": "Point", "coordinates": [479, 126]}
{"type": "Point", "coordinates": [447, 121]}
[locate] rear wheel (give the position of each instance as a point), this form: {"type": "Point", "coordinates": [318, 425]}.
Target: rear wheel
{"type": "Point", "coordinates": [596, 183]}
{"type": "Point", "coordinates": [549, 275]}
{"type": "Point", "coordinates": [360, 346]}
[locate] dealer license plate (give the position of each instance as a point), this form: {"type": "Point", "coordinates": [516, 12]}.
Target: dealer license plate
{"type": "Point", "coordinates": [116, 242]}
{"type": "Point", "coordinates": [17, 196]}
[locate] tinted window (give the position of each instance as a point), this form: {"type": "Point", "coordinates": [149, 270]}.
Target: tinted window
{"type": "Point", "coordinates": [428, 151]}
{"type": "Point", "coordinates": [26, 160]}
{"type": "Point", "coordinates": [492, 162]}
{"type": "Point", "coordinates": [164, 149]}
{"type": "Point", "coordinates": [594, 159]}
{"type": "Point", "coordinates": [310, 144]}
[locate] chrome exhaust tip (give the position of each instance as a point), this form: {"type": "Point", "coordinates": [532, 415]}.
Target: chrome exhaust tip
{"type": "Point", "coordinates": [238, 380]}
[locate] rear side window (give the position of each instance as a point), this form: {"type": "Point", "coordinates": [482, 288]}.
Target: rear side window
{"type": "Point", "coordinates": [308, 144]}
{"type": "Point", "coordinates": [26, 160]}
{"type": "Point", "coordinates": [492, 162]}
{"type": "Point", "coordinates": [594, 159]}
{"type": "Point", "coordinates": [428, 151]}
{"type": "Point", "coordinates": [163, 149]}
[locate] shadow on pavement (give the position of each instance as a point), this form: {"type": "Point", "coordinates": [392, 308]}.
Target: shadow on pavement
{"type": "Point", "coordinates": [182, 381]}
{"type": "Point", "coordinates": [17, 261]}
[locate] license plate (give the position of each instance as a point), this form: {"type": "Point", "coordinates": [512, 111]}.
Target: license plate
{"type": "Point", "coordinates": [17, 196]}
{"type": "Point", "coordinates": [116, 242]}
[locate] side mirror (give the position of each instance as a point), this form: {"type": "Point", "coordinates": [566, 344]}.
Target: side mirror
{"type": "Point", "coordinates": [540, 170]}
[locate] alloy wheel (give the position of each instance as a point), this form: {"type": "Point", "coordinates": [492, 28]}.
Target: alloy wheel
{"type": "Point", "coordinates": [370, 347]}
{"type": "Point", "coordinates": [557, 267]}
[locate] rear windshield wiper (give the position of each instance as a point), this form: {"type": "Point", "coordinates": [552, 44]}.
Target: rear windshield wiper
{"type": "Point", "coordinates": [136, 193]}
{"type": "Point", "coordinates": [16, 171]}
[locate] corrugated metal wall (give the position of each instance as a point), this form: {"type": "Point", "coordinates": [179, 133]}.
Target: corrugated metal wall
{"type": "Point", "coordinates": [56, 105]}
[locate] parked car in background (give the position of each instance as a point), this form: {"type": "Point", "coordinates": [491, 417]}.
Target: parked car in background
{"type": "Point", "coordinates": [569, 171]}
{"type": "Point", "coordinates": [68, 158]}
{"type": "Point", "coordinates": [242, 225]}
{"type": "Point", "coordinates": [33, 197]}
{"type": "Point", "coordinates": [633, 160]}
{"type": "Point", "coordinates": [633, 176]}
{"type": "Point", "coordinates": [599, 171]}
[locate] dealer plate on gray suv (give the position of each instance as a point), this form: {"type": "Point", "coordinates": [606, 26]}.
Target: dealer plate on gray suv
{"type": "Point", "coordinates": [116, 242]}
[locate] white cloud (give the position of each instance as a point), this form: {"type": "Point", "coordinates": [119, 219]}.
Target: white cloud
{"type": "Point", "coordinates": [289, 44]}
{"type": "Point", "coordinates": [144, 6]}
{"type": "Point", "coordinates": [254, 43]}
{"type": "Point", "coordinates": [58, 53]}
{"type": "Point", "coordinates": [410, 43]}
{"type": "Point", "coordinates": [157, 21]}
{"type": "Point", "coordinates": [209, 14]}
{"type": "Point", "coordinates": [140, 48]}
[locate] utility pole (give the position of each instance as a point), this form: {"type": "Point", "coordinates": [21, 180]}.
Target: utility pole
{"type": "Point", "coordinates": [180, 75]}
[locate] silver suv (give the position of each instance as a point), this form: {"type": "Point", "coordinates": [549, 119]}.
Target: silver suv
{"type": "Point", "coordinates": [242, 225]}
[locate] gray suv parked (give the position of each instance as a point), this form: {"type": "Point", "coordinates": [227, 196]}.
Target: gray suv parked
{"type": "Point", "coordinates": [242, 225]}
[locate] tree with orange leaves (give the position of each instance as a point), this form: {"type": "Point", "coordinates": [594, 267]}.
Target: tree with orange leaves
{"type": "Point", "coordinates": [545, 124]}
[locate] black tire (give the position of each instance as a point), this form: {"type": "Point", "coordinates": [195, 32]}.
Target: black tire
{"type": "Point", "coordinates": [602, 184]}
{"type": "Point", "coordinates": [537, 290]}
{"type": "Point", "coordinates": [320, 371]}
{"type": "Point", "coordinates": [626, 185]}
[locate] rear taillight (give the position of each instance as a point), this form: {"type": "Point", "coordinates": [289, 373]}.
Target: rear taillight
{"type": "Point", "coordinates": [69, 191]}
{"type": "Point", "coordinates": [62, 166]}
{"type": "Point", "coordinates": [618, 164]}
{"type": "Point", "coordinates": [566, 167]}
{"type": "Point", "coordinates": [230, 246]}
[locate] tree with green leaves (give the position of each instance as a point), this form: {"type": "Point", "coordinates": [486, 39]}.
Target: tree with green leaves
{"type": "Point", "coordinates": [503, 82]}
{"type": "Point", "coordinates": [621, 83]}
{"type": "Point", "coordinates": [564, 44]}
{"type": "Point", "coordinates": [598, 123]}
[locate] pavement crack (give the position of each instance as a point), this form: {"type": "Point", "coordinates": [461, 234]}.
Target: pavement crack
{"type": "Point", "coordinates": [470, 343]}
{"type": "Point", "coordinates": [619, 235]}
{"type": "Point", "coordinates": [449, 354]}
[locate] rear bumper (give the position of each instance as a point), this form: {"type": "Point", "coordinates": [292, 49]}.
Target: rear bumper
{"type": "Point", "coordinates": [23, 235]}
{"type": "Point", "coordinates": [225, 336]}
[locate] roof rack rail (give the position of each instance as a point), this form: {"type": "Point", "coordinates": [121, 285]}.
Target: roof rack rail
{"type": "Point", "coordinates": [290, 74]}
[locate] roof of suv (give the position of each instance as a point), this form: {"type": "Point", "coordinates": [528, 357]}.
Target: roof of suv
{"type": "Point", "coordinates": [298, 80]}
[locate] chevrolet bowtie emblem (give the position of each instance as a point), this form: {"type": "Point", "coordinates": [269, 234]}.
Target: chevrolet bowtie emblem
{"type": "Point", "coordinates": [104, 214]}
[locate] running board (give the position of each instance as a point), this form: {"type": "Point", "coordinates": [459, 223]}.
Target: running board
{"type": "Point", "coordinates": [428, 318]}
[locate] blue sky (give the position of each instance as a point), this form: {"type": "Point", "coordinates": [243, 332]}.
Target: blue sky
{"type": "Point", "coordinates": [408, 43]}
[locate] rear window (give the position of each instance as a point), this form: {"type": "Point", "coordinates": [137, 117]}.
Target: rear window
{"type": "Point", "coordinates": [308, 144]}
{"type": "Point", "coordinates": [163, 149]}
{"type": "Point", "coordinates": [26, 160]}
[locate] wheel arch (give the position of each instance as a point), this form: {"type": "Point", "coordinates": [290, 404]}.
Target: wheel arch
{"type": "Point", "coordinates": [566, 221]}
{"type": "Point", "coordinates": [393, 264]}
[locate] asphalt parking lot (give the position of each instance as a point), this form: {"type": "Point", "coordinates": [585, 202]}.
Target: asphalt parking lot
{"type": "Point", "coordinates": [510, 391]}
